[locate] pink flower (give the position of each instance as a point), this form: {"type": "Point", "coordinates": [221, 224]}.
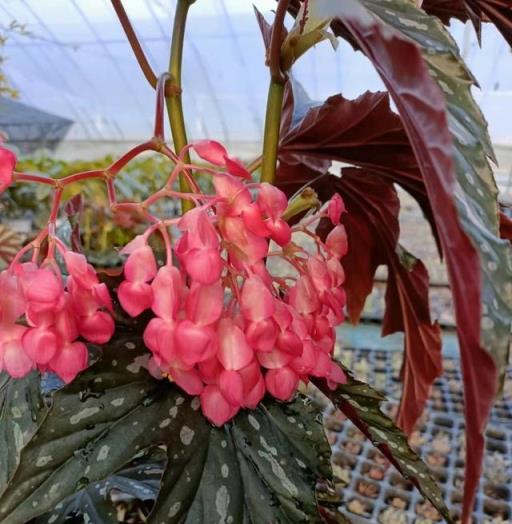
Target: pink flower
{"type": "Point", "coordinates": [335, 208]}
{"type": "Point", "coordinates": [282, 383]}
{"type": "Point", "coordinates": [273, 203]}
{"type": "Point", "coordinates": [7, 163]}
{"type": "Point", "coordinates": [216, 408]}
{"type": "Point", "coordinates": [13, 358]}
{"type": "Point", "coordinates": [337, 242]}
{"type": "Point", "coordinates": [216, 154]}
{"type": "Point", "coordinates": [234, 351]}
{"type": "Point", "coordinates": [135, 293]}
{"type": "Point", "coordinates": [198, 247]}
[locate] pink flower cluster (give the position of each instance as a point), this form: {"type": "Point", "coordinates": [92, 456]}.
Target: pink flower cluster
{"type": "Point", "coordinates": [225, 328]}
{"type": "Point", "coordinates": [42, 316]}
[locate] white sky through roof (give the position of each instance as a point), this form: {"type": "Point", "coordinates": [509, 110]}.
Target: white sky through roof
{"type": "Point", "coordinates": [76, 63]}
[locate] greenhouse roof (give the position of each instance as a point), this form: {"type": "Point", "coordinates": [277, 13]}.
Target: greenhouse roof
{"type": "Point", "coordinates": [28, 127]}
{"type": "Point", "coordinates": [75, 62]}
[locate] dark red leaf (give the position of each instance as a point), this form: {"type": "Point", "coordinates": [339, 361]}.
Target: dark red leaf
{"type": "Point", "coordinates": [364, 132]}
{"type": "Point", "coordinates": [422, 107]}
{"type": "Point", "coordinates": [505, 226]}
{"type": "Point", "coordinates": [498, 12]}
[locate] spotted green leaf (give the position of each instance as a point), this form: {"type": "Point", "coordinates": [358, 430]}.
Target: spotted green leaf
{"type": "Point", "coordinates": [361, 404]}
{"type": "Point", "coordinates": [262, 467]}
{"type": "Point", "coordinates": [21, 407]}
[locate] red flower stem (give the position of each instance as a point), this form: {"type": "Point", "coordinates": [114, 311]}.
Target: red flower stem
{"type": "Point", "coordinates": [159, 131]}
{"type": "Point", "coordinates": [77, 177]}
{"type": "Point", "coordinates": [276, 40]}
{"type": "Point", "coordinates": [35, 244]}
{"type": "Point", "coordinates": [134, 43]}
{"type": "Point", "coordinates": [25, 177]}
{"type": "Point", "coordinates": [167, 241]}
{"type": "Point", "coordinates": [111, 192]}
{"type": "Point", "coordinates": [127, 157]}
{"type": "Point", "coordinates": [54, 211]}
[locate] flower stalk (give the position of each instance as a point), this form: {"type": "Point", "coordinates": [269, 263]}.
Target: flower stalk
{"type": "Point", "coordinates": [275, 97]}
{"type": "Point", "coordinates": [174, 101]}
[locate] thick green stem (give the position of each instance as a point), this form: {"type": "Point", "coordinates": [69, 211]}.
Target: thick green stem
{"type": "Point", "coordinates": [174, 103]}
{"type": "Point", "coordinates": [272, 127]}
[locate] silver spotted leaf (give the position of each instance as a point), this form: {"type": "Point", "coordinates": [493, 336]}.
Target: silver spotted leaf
{"type": "Point", "coordinates": [361, 404]}
{"type": "Point", "coordinates": [260, 468]}
{"type": "Point", "coordinates": [21, 408]}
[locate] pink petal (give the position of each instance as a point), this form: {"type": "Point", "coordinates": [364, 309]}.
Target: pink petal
{"type": "Point", "coordinates": [337, 242]}
{"type": "Point", "coordinates": [244, 245]}
{"type": "Point", "coordinates": [250, 374]}
{"type": "Point", "coordinates": [40, 344]}
{"type": "Point", "coordinates": [336, 271]}
{"type": "Point", "coordinates": [211, 151]}
{"type": "Point", "coordinates": [135, 297]}
{"type": "Point", "coordinates": [12, 303]}
{"type": "Point", "coordinates": [168, 291]}
{"type": "Point", "coordinates": [154, 369]}
{"type": "Point", "coordinates": [210, 370]}
{"type": "Point", "coordinates": [319, 274]}
{"type": "Point", "coordinates": [215, 407]}
{"type": "Point", "coordinates": [235, 193]}
{"type": "Point", "coordinates": [135, 244]}
{"type": "Point", "coordinates": [303, 296]}
{"type": "Point", "coordinates": [159, 338]}
{"type": "Point", "coordinates": [272, 201]}
{"type": "Point", "coordinates": [15, 361]}
{"type": "Point", "coordinates": [306, 362]}
{"type": "Point", "coordinates": [82, 272]}
{"type": "Point", "coordinates": [282, 316]}
{"type": "Point", "coordinates": [232, 387]}
{"type": "Point", "coordinates": [97, 328]}
{"type": "Point", "coordinates": [256, 302]}
{"type": "Point", "coordinates": [71, 359]}
{"type": "Point", "coordinates": [205, 303]}
{"type": "Point", "coordinates": [200, 231]}
{"type": "Point", "coordinates": [188, 380]}
{"type": "Point", "coordinates": [66, 325]}
{"type": "Point", "coordinates": [282, 383]}
{"type": "Point", "coordinates": [236, 168]}
{"type": "Point", "coordinates": [7, 163]}
{"type": "Point", "coordinates": [194, 343]}
{"type": "Point", "coordinates": [280, 231]}
{"type": "Point", "coordinates": [335, 208]}
{"type": "Point", "coordinates": [337, 374]}
{"type": "Point", "coordinates": [43, 287]}
{"type": "Point", "coordinates": [83, 300]}
{"type": "Point", "coordinates": [322, 366]}
{"type": "Point", "coordinates": [253, 397]}
{"type": "Point", "coordinates": [261, 335]}
{"type": "Point", "coordinates": [274, 359]}
{"type": "Point", "coordinates": [290, 342]}
{"type": "Point", "coordinates": [234, 352]}
{"type": "Point", "coordinates": [102, 296]}
{"type": "Point", "coordinates": [204, 265]}
{"type": "Point", "coordinates": [253, 221]}
{"type": "Point", "coordinates": [140, 265]}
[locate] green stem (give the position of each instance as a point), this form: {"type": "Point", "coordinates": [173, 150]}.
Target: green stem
{"type": "Point", "coordinates": [272, 127]}
{"type": "Point", "coordinates": [174, 103]}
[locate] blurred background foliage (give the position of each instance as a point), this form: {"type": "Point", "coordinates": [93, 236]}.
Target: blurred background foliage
{"type": "Point", "coordinates": [24, 208]}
